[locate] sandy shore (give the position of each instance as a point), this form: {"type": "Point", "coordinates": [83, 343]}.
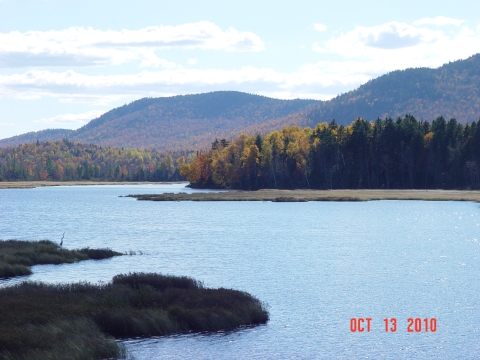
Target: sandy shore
{"type": "Point", "coordinates": [34, 184]}
{"type": "Point", "coordinates": [319, 195]}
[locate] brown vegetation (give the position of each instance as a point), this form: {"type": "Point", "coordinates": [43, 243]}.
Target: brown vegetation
{"type": "Point", "coordinates": [319, 195]}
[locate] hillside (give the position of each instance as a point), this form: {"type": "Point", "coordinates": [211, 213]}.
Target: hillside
{"type": "Point", "coordinates": [451, 91]}
{"type": "Point", "coordinates": [194, 121]}
{"type": "Point", "coordinates": [179, 122]}
{"type": "Point", "coordinates": [34, 136]}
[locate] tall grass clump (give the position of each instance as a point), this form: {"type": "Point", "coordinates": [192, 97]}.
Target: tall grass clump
{"type": "Point", "coordinates": [17, 256]}
{"type": "Point", "coordinates": [98, 254]}
{"type": "Point", "coordinates": [81, 320]}
{"type": "Point", "coordinates": [160, 283]}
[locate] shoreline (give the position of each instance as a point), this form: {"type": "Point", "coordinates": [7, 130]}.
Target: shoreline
{"type": "Point", "coordinates": [35, 184]}
{"type": "Point", "coordinates": [318, 195]}
{"type": "Point", "coordinates": [273, 195]}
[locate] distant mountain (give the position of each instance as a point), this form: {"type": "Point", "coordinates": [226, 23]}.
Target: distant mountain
{"type": "Point", "coordinates": [30, 137]}
{"type": "Point", "coordinates": [179, 122]}
{"type": "Point", "coordinates": [451, 91]}
{"type": "Point", "coordinates": [194, 121]}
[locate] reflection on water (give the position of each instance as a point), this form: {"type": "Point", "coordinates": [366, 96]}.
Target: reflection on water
{"type": "Point", "coordinates": [316, 264]}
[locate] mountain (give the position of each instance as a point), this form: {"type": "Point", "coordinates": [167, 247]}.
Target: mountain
{"type": "Point", "coordinates": [451, 91]}
{"type": "Point", "coordinates": [179, 122]}
{"type": "Point", "coordinates": [194, 121]}
{"type": "Point", "coordinates": [30, 137]}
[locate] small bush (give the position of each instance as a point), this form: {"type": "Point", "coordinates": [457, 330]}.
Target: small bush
{"type": "Point", "coordinates": [98, 254]}
{"type": "Point", "coordinates": [288, 199]}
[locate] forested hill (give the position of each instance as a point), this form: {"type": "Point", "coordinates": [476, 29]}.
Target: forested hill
{"type": "Point", "coordinates": [180, 122]}
{"type": "Point", "coordinates": [451, 91]}
{"type": "Point", "coordinates": [34, 136]}
{"type": "Point", "coordinates": [194, 121]}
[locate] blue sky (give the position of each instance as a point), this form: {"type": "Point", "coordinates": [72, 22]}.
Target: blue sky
{"type": "Point", "coordinates": [63, 63]}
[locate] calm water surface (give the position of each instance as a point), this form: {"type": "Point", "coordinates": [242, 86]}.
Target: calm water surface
{"type": "Point", "coordinates": [316, 264]}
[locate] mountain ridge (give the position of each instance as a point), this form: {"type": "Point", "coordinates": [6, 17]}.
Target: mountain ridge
{"type": "Point", "coordinates": [33, 136]}
{"type": "Point", "coordinates": [423, 92]}
{"type": "Point", "coordinates": [194, 121]}
{"type": "Point", "coordinates": [178, 122]}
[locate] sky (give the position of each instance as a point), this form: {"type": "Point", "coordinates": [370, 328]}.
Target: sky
{"type": "Point", "coordinates": [64, 62]}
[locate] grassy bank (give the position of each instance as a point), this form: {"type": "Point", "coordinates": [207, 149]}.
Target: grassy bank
{"type": "Point", "coordinates": [17, 256]}
{"type": "Point", "coordinates": [80, 321]}
{"type": "Point", "coordinates": [319, 195]}
{"type": "Point", "coordinates": [34, 184]}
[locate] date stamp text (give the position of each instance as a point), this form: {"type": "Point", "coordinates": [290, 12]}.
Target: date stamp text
{"type": "Point", "coordinates": [413, 325]}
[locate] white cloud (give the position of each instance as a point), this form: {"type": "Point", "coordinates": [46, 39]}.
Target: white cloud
{"type": "Point", "coordinates": [80, 46]}
{"type": "Point", "coordinates": [71, 86]}
{"type": "Point", "coordinates": [395, 45]}
{"type": "Point", "coordinates": [320, 27]}
{"type": "Point", "coordinates": [80, 119]}
{"type": "Point", "coordinates": [354, 58]}
{"type": "Point", "coordinates": [318, 48]}
{"type": "Point", "coordinates": [439, 21]}
{"type": "Point", "coordinates": [367, 52]}
{"type": "Point", "coordinates": [369, 41]}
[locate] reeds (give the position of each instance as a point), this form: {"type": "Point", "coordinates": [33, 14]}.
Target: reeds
{"type": "Point", "coordinates": [80, 320]}
{"type": "Point", "coordinates": [17, 256]}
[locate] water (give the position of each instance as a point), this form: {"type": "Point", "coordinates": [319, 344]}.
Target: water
{"type": "Point", "coordinates": [316, 264]}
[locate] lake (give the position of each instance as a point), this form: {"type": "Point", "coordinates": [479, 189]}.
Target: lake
{"type": "Point", "coordinates": [317, 265]}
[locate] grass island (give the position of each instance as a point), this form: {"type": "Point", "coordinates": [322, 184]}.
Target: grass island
{"type": "Point", "coordinates": [318, 195]}
{"type": "Point", "coordinates": [17, 256]}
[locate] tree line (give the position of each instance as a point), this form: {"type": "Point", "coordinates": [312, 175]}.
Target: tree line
{"type": "Point", "coordinates": [384, 154]}
{"type": "Point", "coordinates": [69, 161]}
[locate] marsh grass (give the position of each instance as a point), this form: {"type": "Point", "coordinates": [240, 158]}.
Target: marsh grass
{"type": "Point", "coordinates": [98, 254]}
{"type": "Point", "coordinates": [17, 256]}
{"type": "Point", "coordinates": [317, 195]}
{"type": "Point", "coordinates": [288, 199]}
{"type": "Point", "coordinates": [43, 321]}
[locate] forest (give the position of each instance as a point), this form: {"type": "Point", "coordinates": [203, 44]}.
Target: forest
{"type": "Point", "coordinates": [68, 161]}
{"type": "Point", "coordinates": [384, 154]}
